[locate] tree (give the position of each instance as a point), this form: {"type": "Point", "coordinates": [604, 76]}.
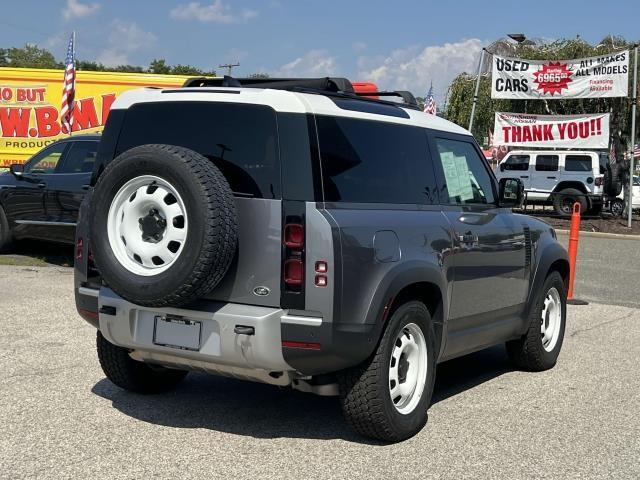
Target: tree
{"type": "Point", "coordinates": [31, 56]}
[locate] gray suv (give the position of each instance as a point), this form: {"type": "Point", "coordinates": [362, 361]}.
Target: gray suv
{"type": "Point", "coordinates": [294, 232]}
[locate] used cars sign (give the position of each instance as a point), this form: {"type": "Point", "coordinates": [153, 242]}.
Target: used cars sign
{"type": "Point", "coordinates": [594, 77]}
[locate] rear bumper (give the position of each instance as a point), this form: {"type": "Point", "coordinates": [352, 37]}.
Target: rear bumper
{"type": "Point", "coordinates": [257, 355]}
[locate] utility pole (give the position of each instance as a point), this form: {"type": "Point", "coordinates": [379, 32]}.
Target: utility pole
{"type": "Point", "coordinates": [229, 67]}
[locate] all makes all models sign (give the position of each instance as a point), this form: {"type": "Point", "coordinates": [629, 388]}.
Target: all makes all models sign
{"type": "Point", "coordinates": [564, 131]}
{"type": "Point", "coordinates": [595, 77]}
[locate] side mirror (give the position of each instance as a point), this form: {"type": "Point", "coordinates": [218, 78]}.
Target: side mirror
{"type": "Point", "coordinates": [17, 170]}
{"type": "Point", "coordinates": [511, 192]}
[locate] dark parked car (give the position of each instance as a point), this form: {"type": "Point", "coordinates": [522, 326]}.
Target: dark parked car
{"type": "Point", "coordinates": [41, 198]}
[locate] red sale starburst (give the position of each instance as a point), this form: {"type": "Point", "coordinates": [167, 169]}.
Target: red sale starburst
{"type": "Point", "coordinates": [552, 78]}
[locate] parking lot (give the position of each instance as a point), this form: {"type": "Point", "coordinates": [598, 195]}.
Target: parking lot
{"type": "Point", "coordinates": [62, 419]}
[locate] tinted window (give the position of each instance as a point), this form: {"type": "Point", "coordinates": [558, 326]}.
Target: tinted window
{"type": "Point", "coordinates": [240, 139]}
{"type": "Point", "coordinates": [517, 162]}
{"type": "Point", "coordinates": [577, 163]}
{"type": "Point", "coordinates": [47, 160]}
{"type": "Point", "coordinates": [80, 158]}
{"type": "Point", "coordinates": [374, 162]}
{"type": "Point", "coordinates": [466, 180]}
{"type": "Point", "coordinates": [547, 163]}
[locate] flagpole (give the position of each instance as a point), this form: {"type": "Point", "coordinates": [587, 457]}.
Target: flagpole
{"type": "Point", "coordinates": [475, 95]}
{"type": "Point", "coordinates": [73, 53]}
{"type": "Point", "coordinates": [634, 99]}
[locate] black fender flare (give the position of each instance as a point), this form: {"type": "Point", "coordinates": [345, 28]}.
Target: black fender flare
{"type": "Point", "coordinates": [549, 254]}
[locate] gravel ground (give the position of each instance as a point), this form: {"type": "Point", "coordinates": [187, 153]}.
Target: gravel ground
{"type": "Point", "coordinates": [60, 418]}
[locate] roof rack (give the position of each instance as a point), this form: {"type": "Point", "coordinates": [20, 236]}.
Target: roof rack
{"type": "Point", "coordinates": [333, 86]}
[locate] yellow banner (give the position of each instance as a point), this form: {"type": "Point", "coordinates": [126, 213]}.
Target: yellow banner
{"type": "Point", "coordinates": [30, 101]}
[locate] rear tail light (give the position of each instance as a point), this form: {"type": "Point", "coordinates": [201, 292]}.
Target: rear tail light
{"type": "Point", "coordinates": [293, 272]}
{"type": "Point", "coordinates": [79, 248]}
{"type": "Point", "coordinates": [293, 238]}
{"type": "Point", "coordinates": [599, 181]}
{"type": "Point", "coordinates": [294, 235]}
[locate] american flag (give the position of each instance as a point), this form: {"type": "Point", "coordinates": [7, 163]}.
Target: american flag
{"type": "Point", "coordinates": [430, 103]}
{"type": "Point", "coordinates": [68, 88]}
{"type": "Point", "coordinates": [636, 151]}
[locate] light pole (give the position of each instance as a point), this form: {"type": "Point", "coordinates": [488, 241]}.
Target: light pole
{"type": "Point", "coordinates": [229, 66]}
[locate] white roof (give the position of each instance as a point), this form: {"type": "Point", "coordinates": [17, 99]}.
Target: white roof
{"type": "Point", "coordinates": [280, 101]}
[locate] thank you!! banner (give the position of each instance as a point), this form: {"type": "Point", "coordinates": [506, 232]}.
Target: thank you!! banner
{"type": "Point", "coordinates": [574, 131]}
{"type": "Point", "coordinates": [594, 77]}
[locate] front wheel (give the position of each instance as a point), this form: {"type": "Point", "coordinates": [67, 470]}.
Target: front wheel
{"type": "Point", "coordinates": [387, 396]}
{"type": "Point", "coordinates": [617, 207]}
{"type": "Point", "coordinates": [5, 231]}
{"type": "Point", "coordinates": [539, 347]}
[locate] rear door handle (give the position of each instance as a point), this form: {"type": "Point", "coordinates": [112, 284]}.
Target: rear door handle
{"type": "Point", "coordinates": [524, 176]}
{"type": "Point", "coordinates": [551, 178]}
{"type": "Point", "coordinates": [42, 185]}
{"type": "Point", "coordinates": [86, 187]}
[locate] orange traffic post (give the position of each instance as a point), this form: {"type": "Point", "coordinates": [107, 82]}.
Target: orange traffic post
{"type": "Point", "coordinates": [574, 236]}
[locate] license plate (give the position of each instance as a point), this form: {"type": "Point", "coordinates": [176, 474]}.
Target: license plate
{"type": "Point", "coordinates": [177, 332]}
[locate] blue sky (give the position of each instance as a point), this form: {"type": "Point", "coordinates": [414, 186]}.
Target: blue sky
{"type": "Point", "coordinates": [402, 45]}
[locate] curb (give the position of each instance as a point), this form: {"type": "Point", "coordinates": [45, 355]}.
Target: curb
{"type": "Point", "coordinates": [619, 236]}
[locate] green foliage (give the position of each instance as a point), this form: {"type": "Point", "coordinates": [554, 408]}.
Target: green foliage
{"type": "Point", "coordinates": [31, 56]}
{"type": "Point", "coordinates": [462, 88]}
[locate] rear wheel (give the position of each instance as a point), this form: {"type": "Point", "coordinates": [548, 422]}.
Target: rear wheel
{"type": "Point", "coordinates": [387, 396]}
{"type": "Point", "coordinates": [539, 347]}
{"type": "Point", "coordinates": [564, 199]}
{"type": "Point", "coordinates": [132, 375]}
{"type": "Point", "coordinates": [617, 207]}
{"type": "Point", "coordinates": [5, 231]}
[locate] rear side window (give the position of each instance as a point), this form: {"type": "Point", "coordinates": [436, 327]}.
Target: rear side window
{"type": "Point", "coordinates": [577, 163]}
{"type": "Point", "coordinates": [241, 140]}
{"type": "Point", "coordinates": [517, 162]}
{"type": "Point", "coordinates": [374, 162]}
{"type": "Point", "coordinates": [547, 163]}
{"type": "Point", "coordinates": [80, 158]}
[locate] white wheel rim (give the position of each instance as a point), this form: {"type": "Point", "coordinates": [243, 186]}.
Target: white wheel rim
{"type": "Point", "coordinates": [408, 369]}
{"type": "Point", "coordinates": [551, 320]}
{"type": "Point", "coordinates": [131, 242]}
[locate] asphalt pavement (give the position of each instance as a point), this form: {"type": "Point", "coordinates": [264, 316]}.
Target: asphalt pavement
{"type": "Point", "coordinates": [607, 269]}
{"type": "Point", "coordinates": [60, 418]}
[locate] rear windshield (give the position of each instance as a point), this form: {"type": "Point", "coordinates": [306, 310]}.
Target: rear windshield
{"type": "Point", "coordinates": [241, 140]}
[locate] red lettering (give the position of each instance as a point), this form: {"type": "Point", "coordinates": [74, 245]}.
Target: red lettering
{"type": "Point", "coordinates": [561, 129]}
{"type": "Point", "coordinates": [505, 133]}
{"type": "Point", "coordinates": [6, 94]}
{"type": "Point", "coordinates": [537, 133]}
{"type": "Point", "coordinates": [526, 133]}
{"type": "Point", "coordinates": [84, 115]}
{"type": "Point", "coordinates": [107, 101]}
{"type": "Point", "coordinates": [516, 134]}
{"type": "Point", "coordinates": [584, 129]}
{"type": "Point", "coordinates": [14, 121]}
{"type": "Point", "coordinates": [572, 130]}
{"type": "Point", "coordinates": [548, 133]}
{"type": "Point", "coordinates": [47, 121]}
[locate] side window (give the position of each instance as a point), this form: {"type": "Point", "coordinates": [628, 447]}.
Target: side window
{"type": "Point", "coordinates": [577, 163]}
{"type": "Point", "coordinates": [374, 162]}
{"type": "Point", "coordinates": [517, 162]}
{"type": "Point", "coordinates": [547, 163]}
{"type": "Point", "coordinates": [46, 161]}
{"type": "Point", "coordinates": [467, 180]}
{"type": "Point", "coordinates": [80, 158]}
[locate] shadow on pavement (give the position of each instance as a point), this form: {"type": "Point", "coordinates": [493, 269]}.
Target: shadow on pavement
{"type": "Point", "coordinates": [42, 252]}
{"type": "Point", "coordinates": [265, 411]}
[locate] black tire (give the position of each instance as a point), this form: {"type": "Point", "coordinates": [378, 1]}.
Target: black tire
{"type": "Point", "coordinates": [617, 207]}
{"type": "Point", "coordinates": [211, 238]}
{"type": "Point", "coordinates": [364, 389]}
{"type": "Point", "coordinates": [564, 199]}
{"type": "Point", "coordinates": [5, 231]}
{"type": "Point", "coordinates": [132, 375]}
{"type": "Point", "coordinates": [616, 179]}
{"type": "Point", "coordinates": [528, 352]}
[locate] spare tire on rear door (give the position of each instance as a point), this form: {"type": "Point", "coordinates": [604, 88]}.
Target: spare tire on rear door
{"type": "Point", "coordinates": [163, 225]}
